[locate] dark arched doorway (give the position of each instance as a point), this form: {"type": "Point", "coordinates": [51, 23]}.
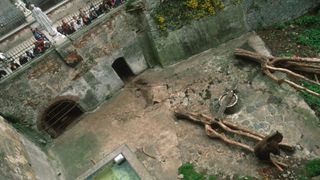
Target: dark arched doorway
{"type": "Point", "coordinates": [57, 117]}
{"type": "Point", "coordinates": [122, 69]}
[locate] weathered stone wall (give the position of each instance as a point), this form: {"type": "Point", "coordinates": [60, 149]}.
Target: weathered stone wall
{"type": "Point", "coordinates": [198, 36]}
{"type": "Point", "coordinates": [227, 24]}
{"type": "Point", "coordinates": [79, 69]}
{"type": "Point", "coordinates": [22, 159]}
{"type": "Point", "coordinates": [262, 13]}
{"type": "Point", "coordinates": [14, 161]}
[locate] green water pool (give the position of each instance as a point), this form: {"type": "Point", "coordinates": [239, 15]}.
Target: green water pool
{"type": "Point", "coordinates": [113, 171]}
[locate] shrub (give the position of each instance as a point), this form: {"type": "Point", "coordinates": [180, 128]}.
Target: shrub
{"type": "Point", "coordinates": [173, 14]}
{"type": "Point", "coordinates": [313, 168]}
{"type": "Point", "coordinates": [189, 172]}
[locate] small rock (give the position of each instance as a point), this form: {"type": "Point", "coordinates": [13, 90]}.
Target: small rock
{"type": "Point", "coordinates": [315, 178]}
{"type": "Point", "coordinates": [180, 176]}
{"type": "Point", "coordinates": [181, 94]}
{"type": "Point", "coordinates": [42, 141]}
{"type": "Point", "coordinates": [185, 102]}
{"type": "Point", "coordinates": [299, 147]}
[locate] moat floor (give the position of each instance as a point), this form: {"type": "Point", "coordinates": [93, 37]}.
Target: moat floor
{"type": "Point", "coordinates": [140, 115]}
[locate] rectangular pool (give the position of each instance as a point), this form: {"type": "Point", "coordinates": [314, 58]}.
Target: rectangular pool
{"type": "Point", "coordinates": [113, 171]}
{"type": "Point", "coordinates": [111, 167]}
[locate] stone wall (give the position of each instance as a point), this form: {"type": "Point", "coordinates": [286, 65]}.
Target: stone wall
{"type": "Point", "coordinates": [262, 13]}
{"type": "Point", "coordinates": [18, 159]}
{"type": "Point", "coordinates": [229, 23]}
{"type": "Point", "coordinates": [14, 159]}
{"type": "Point", "coordinates": [79, 69]}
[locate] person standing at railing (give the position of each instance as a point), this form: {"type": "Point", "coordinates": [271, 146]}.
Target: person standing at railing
{"type": "Point", "coordinates": [76, 23]}
{"type": "Point", "coordinates": [3, 57]}
{"type": "Point", "coordinates": [93, 12]}
{"type": "Point", "coordinates": [66, 28]}
{"type": "Point", "coordinates": [3, 73]}
{"type": "Point", "coordinates": [107, 4]}
{"type": "Point", "coordinates": [117, 3]}
{"type": "Point", "coordinates": [85, 18]}
{"type": "Point", "coordinates": [38, 35]}
{"type": "Point", "coordinates": [14, 66]}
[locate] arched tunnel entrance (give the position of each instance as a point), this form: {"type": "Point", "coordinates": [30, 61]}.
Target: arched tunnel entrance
{"type": "Point", "coordinates": [57, 117]}
{"type": "Point", "coordinates": [122, 69]}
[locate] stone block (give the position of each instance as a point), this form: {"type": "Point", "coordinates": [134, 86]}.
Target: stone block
{"type": "Point", "coordinates": [69, 53]}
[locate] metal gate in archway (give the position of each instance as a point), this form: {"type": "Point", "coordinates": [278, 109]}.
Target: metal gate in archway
{"type": "Point", "coordinates": [59, 116]}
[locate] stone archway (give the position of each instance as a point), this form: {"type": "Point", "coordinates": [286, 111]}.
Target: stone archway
{"type": "Point", "coordinates": [59, 115]}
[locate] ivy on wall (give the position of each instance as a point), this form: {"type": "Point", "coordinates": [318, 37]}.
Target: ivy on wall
{"type": "Point", "coordinates": [173, 14]}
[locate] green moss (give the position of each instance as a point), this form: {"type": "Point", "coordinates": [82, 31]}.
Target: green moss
{"type": "Point", "coordinates": [313, 168]}
{"type": "Point", "coordinates": [189, 173]}
{"type": "Point", "coordinates": [129, 4]}
{"type": "Point", "coordinates": [39, 138]}
{"type": "Point", "coordinates": [236, 2]}
{"type": "Point", "coordinates": [75, 155]}
{"type": "Point", "coordinates": [11, 118]}
{"type": "Point", "coordinates": [308, 118]}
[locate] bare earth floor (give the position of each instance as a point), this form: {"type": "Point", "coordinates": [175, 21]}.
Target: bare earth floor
{"type": "Point", "coordinates": [140, 115]}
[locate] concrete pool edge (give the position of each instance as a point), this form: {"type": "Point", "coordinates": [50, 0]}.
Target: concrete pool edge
{"type": "Point", "coordinates": [137, 166]}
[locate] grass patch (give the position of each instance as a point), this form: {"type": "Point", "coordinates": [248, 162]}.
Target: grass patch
{"type": "Point", "coordinates": [312, 101]}
{"type": "Point", "coordinates": [189, 173]}
{"type": "Point", "coordinates": [311, 38]}
{"type": "Point", "coordinates": [307, 20]}
{"type": "Point", "coordinates": [313, 168]}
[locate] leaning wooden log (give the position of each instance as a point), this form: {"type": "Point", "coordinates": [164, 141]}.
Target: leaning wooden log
{"type": "Point", "coordinates": [214, 134]}
{"type": "Point", "coordinates": [267, 145]}
{"type": "Point", "coordinates": [227, 126]}
{"type": "Point", "coordinates": [287, 65]}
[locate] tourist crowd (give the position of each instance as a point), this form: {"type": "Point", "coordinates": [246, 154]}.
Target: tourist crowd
{"type": "Point", "coordinates": [42, 43]}
{"type": "Point", "coordinates": [86, 17]}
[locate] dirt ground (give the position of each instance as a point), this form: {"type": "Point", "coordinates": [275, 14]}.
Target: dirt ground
{"type": "Point", "coordinates": [140, 115]}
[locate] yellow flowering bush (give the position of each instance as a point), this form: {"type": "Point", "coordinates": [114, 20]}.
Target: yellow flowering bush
{"type": "Point", "coordinates": [192, 4]}
{"type": "Point", "coordinates": [174, 14]}
{"type": "Point", "coordinates": [161, 19]}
